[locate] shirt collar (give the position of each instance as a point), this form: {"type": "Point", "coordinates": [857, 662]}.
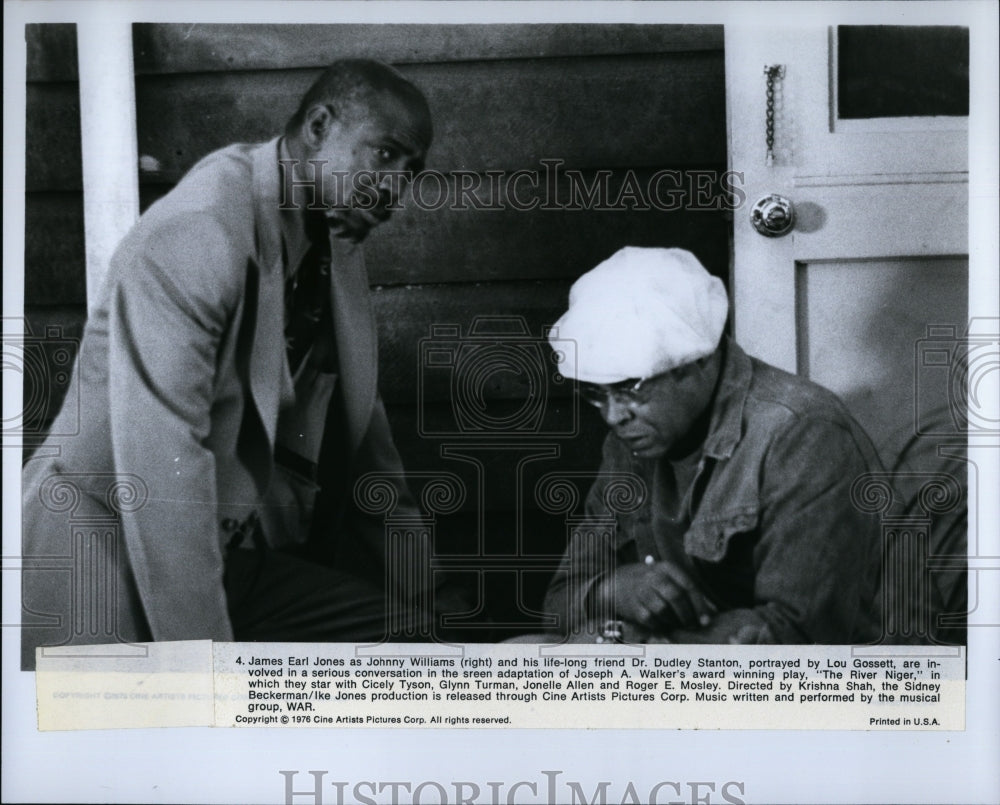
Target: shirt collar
{"type": "Point", "coordinates": [726, 424]}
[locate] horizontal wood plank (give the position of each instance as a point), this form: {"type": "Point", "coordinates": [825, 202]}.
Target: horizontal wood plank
{"type": "Point", "coordinates": [459, 245]}
{"type": "Point", "coordinates": [187, 48]}
{"type": "Point", "coordinates": [444, 342]}
{"type": "Point", "coordinates": [415, 320]}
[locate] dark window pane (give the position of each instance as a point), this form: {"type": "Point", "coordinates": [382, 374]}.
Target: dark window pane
{"type": "Point", "coordinates": [902, 71]}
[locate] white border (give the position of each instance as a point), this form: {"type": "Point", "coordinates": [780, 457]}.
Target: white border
{"type": "Point", "coordinates": [203, 765]}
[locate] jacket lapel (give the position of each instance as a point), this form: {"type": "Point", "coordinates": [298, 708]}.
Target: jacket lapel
{"type": "Point", "coordinates": [354, 322]}
{"type": "Point", "coordinates": [267, 357]}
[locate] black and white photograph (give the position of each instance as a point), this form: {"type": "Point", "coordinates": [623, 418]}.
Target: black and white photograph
{"type": "Point", "coordinates": [577, 339]}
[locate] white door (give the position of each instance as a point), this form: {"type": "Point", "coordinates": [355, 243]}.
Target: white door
{"type": "Point", "coordinates": [878, 253]}
{"type": "Point", "coordinates": [867, 294]}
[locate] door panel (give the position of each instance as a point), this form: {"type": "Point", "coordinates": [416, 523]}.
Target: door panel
{"type": "Point", "coordinates": [859, 322]}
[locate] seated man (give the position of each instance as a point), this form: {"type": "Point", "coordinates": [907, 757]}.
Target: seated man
{"type": "Point", "coordinates": [746, 531]}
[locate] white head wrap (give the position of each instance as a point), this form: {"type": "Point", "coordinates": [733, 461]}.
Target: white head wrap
{"type": "Point", "coordinates": [640, 313]}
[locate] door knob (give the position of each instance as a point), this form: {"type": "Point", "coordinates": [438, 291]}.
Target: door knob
{"type": "Point", "coordinates": [773, 216]}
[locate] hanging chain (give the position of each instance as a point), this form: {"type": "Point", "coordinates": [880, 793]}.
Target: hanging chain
{"type": "Point", "coordinates": [772, 72]}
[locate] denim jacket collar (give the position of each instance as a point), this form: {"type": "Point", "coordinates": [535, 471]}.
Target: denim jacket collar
{"type": "Point", "coordinates": [725, 426]}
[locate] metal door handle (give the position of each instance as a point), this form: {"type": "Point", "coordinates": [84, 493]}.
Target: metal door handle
{"type": "Point", "coordinates": [773, 216]}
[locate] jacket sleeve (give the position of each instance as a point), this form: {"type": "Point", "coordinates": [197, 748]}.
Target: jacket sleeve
{"type": "Point", "coordinates": [592, 550]}
{"type": "Point", "coordinates": [173, 287]}
{"type": "Point", "coordinates": [402, 556]}
{"type": "Point", "coordinates": [817, 558]}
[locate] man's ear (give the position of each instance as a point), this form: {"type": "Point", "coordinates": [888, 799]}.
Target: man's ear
{"type": "Point", "coordinates": [316, 126]}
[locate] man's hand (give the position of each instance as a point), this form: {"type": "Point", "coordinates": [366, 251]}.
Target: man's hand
{"type": "Point", "coordinates": [656, 596]}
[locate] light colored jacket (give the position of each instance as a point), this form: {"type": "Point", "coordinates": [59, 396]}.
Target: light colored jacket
{"type": "Point", "coordinates": [179, 381]}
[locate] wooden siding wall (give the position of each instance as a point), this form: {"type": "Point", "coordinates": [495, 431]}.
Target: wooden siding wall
{"type": "Point", "coordinates": [597, 97]}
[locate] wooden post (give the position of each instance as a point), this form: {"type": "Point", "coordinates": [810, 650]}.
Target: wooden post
{"type": "Point", "coordinates": [108, 140]}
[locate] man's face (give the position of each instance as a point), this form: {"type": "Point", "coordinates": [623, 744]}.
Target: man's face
{"type": "Point", "coordinates": [371, 151]}
{"type": "Point", "coordinates": [656, 419]}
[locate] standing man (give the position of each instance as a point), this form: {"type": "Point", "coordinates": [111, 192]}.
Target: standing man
{"type": "Point", "coordinates": [227, 377]}
{"type": "Point", "coordinates": [746, 531]}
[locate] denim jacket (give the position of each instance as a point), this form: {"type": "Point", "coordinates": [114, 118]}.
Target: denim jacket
{"type": "Point", "coordinates": [771, 533]}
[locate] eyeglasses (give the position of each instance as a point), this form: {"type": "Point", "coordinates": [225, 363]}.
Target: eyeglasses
{"type": "Point", "coordinates": [627, 392]}
{"type": "Point", "coordinates": [633, 392]}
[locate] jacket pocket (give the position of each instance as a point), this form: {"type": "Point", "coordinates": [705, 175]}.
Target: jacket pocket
{"type": "Point", "coordinates": [709, 539]}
